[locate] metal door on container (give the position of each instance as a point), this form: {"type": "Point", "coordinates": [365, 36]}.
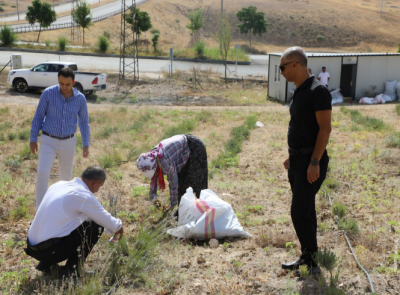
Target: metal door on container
{"type": "Point", "coordinates": [38, 76]}
{"type": "Point", "coordinates": [52, 74]}
{"type": "Point", "coordinates": [348, 80]}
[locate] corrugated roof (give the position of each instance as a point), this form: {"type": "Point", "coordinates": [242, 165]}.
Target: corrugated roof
{"type": "Point", "coordinates": [339, 54]}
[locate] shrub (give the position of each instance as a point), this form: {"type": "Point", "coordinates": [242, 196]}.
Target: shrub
{"type": "Point", "coordinates": [7, 36]}
{"type": "Point", "coordinates": [200, 48]}
{"type": "Point", "coordinates": [11, 136]}
{"type": "Point", "coordinates": [102, 44]}
{"type": "Point", "coordinates": [62, 43]}
{"type": "Point", "coordinates": [393, 140]}
{"type": "Point", "coordinates": [329, 261]}
{"type": "Point", "coordinates": [155, 31]}
{"type": "Point", "coordinates": [398, 109]}
{"type": "Point", "coordinates": [185, 127]}
{"type": "Point", "coordinates": [251, 122]}
{"type": "Point", "coordinates": [203, 116]}
{"type": "Point", "coordinates": [339, 209]}
{"type": "Point", "coordinates": [25, 153]}
{"type": "Point", "coordinates": [350, 225]}
{"type": "Point", "coordinates": [13, 161]}
{"type": "Point", "coordinates": [24, 135]}
{"type": "Point", "coordinates": [320, 38]}
{"type": "Point", "coordinates": [1, 9]}
{"type": "Point", "coordinates": [2, 137]}
{"type": "Point", "coordinates": [133, 98]}
{"type": "Point", "coordinates": [22, 209]}
{"type": "Point", "coordinates": [107, 131]}
{"type": "Point", "coordinates": [110, 160]}
{"type": "Point", "coordinates": [47, 42]}
{"type": "Point", "coordinates": [107, 34]}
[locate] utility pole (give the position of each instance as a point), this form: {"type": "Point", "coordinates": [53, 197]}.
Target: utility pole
{"type": "Point", "coordinates": [381, 7]}
{"type": "Point", "coordinates": [222, 14]}
{"type": "Point", "coordinates": [17, 10]}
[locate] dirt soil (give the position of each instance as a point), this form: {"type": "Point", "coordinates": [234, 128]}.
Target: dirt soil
{"type": "Point", "coordinates": [366, 170]}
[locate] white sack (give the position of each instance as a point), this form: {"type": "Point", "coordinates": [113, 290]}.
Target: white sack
{"type": "Point", "coordinates": [337, 97]}
{"type": "Point", "coordinates": [206, 218]}
{"type": "Point", "coordinates": [398, 90]}
{"type": "Point", "coordinates": [390, 90]}
{"type": "Point", "coordinates": [373, 100]}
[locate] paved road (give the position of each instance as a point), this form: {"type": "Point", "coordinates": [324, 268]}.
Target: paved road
{"type": "Point", "coordinates": [96, 12]}
{"type": "Point", "coordinates": [111, 64]}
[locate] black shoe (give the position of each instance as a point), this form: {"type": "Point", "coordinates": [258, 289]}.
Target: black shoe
{"type": "Point", "coordinates": [46, 269]}
{"type": "Point", "coordinates": [314, 271]}
{"type": "Point", "coordinates": [292, 265]}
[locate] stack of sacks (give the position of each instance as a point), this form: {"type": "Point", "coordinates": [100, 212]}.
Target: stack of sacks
{"type": "Point", "coordinates": [390, 90]}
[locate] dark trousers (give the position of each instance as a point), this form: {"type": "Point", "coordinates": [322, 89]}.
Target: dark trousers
{"type": "Point", "coordinates": [302, 211]}
{"type": "Point", "coordinates": [83, 238]}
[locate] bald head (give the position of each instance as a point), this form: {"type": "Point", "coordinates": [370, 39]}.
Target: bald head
{"type": "Point", "coordinates": [296, 53]}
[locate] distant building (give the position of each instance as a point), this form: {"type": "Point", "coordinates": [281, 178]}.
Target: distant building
{"type": "Point", "coordinates": [353, 73]}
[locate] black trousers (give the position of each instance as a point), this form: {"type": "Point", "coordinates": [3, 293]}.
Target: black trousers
{"type": "Point", "coordinates": [302, 211]}
{"type": "Point", "coordinates": [83, 238]}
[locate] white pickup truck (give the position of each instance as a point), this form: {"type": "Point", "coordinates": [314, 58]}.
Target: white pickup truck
{"type": "Point", "coordinates": [45, 75]}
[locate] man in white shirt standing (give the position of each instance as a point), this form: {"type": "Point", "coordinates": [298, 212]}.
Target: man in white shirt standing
{"type": "Point", "coordinates": [324, 77]}
{"type": "Point", "coordinates": [69, 222]}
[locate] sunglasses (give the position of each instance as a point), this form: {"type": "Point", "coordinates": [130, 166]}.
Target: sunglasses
{"type": "Point", "coordinates": [282, 67]}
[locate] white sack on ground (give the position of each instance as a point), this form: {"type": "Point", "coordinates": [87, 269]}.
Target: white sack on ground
{"type": "Point", "coordinates": [373, 100]}
{"type": "Point", "coordinates": [206, 218]}
{"type": "Point", "coordinates": [390, 90]}
{"type": "Point", "coordinates": [337, 97]}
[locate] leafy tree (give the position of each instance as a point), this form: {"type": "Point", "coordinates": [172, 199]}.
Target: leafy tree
{"type": "Point", "coordinates": [253, 21]}
{"type": "Point", "coordinates": [40, 13]}
{"type": "Point", "coordinates": [224, 36]}
{"type": "Point", "coordinates": [82, 16]}
{"type": "Point", "coordinates": [143, 21]}
{"type": "Point", "coordinates": [154, 39]}
{"type": "Point", "coordinates": [196, 23]}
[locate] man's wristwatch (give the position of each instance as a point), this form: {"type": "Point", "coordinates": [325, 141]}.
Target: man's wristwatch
{"type": "Point", "coordinates": [314, 162]}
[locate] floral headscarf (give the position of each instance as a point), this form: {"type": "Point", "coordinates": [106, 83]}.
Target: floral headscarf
{"type": "Point", "coordinates": [147, 163]}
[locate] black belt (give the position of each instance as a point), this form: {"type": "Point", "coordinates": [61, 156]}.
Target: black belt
{"type": "Point", "coordinates": [69, 136]}
{"type": "Point", "coordinates": [303, 151]}
{"type": "Point", "coordinates": [43, 245]}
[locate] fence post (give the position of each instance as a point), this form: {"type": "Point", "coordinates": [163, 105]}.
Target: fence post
{"type": "Point", "coordinates": [242, 82]}
{"type": "Point", "coordinates": [195, 79]}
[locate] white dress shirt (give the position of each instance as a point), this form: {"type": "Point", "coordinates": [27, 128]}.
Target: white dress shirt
{"type": "Point", "coordinates": [66, 205]}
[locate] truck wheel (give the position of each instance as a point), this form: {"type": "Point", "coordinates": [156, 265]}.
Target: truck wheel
{"type": "Point", "coordinates": [78, 87]}
{"type": "Point", "coordinates": [21, 86]}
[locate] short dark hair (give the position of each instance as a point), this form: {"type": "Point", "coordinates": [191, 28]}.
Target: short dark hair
{"type": "Point", "coordinates": [94, 173]}
{"type": "Point", "coordinates": [324, 67]}
{"type": "Point", "coordinates": [297, 54]}
{"type": "Point", "coordinates": [67, 72]}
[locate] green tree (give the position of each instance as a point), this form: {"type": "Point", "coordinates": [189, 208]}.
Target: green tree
{"type": "Point", "coordinates": [82, 16]}
{"type": "Point", "coordinates": [143, 21]}
{"type": "Point", "coordinates": [154, 39]}
{"type": "Point", "coordinates": [224, 37]}
{"type": "Point", "coordinates": [196, 23]}
{"type": "Point", "coordinates": [40, 13]}
{"type": "Point", "coordinates": [253, 21]}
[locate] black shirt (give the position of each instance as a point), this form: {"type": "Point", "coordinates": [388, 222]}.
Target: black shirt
{"type": "Point", "coordinates": [312, 96]}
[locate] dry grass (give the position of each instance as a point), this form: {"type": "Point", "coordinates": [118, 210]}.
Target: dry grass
{"type": "Point", "coordinates": [257, 189]}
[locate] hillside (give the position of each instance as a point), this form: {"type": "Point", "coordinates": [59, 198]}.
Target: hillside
{"type": "Point", "coordinates": [340, 24]}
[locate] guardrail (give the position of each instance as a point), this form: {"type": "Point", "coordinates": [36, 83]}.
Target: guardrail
{"type": "Point", "coordinates": [35, 28]}
{"type": "Point", "coordinates": [23, 11]}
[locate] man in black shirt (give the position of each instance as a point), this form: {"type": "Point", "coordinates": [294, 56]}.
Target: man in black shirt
{"type": "Point", "coordinates": [308, 135]}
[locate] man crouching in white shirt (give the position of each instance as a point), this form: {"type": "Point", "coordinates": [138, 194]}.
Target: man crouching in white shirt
{"type": "Point", "coordinates": [69, 222]}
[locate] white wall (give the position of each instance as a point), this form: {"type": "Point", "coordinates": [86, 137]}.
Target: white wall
{"type": "Point", "coordinates": [333, 65]}
{"type": "Point", "coordinates": [375, 70]}
{"type": "Point", "coordinates": [276, 82]}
